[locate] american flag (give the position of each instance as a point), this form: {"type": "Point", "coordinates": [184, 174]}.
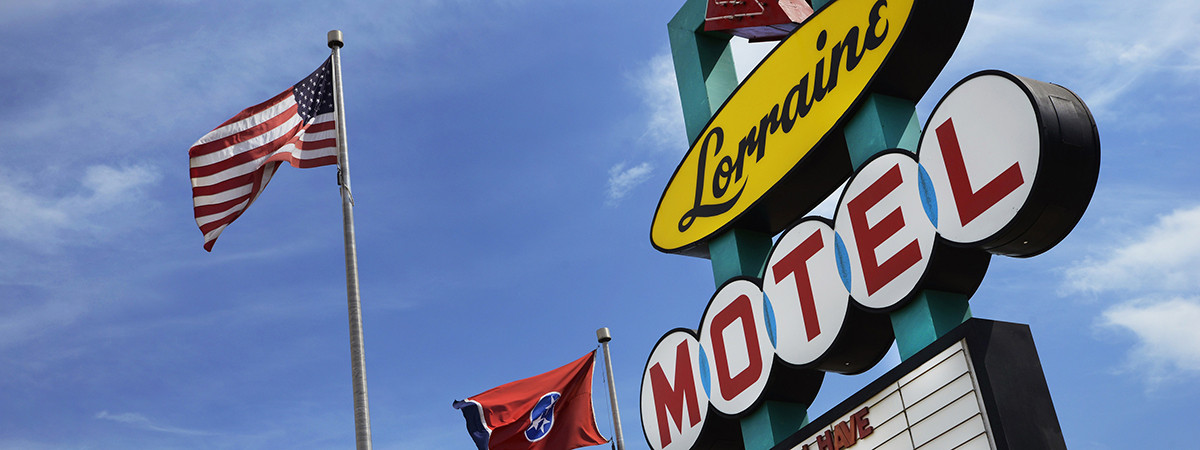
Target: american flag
{"type": "Point", "coordinates": [231, 165]}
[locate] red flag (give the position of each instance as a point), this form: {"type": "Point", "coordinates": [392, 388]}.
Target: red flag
{"type": "Point", "coordinates": [232, 164]}
{"type": "Point", "coordinates": [551, 411]}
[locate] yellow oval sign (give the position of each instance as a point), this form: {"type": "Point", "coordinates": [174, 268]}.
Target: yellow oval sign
{"type": "Point", "coordinates": [775, 148]}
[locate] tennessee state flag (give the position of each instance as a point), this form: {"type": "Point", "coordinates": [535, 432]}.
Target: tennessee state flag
{"type": "Point", "coordinates": [551, 411]}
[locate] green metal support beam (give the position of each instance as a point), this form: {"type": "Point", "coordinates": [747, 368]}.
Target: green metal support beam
{"type": "Point", "coordinates": [772, 423]}
{"type": "Point", "coordinates": [883, 123]}
{"type": "Point", "coordinates": [928, 317]}
{"type": "Point", "coordinates": [703, 66]}
{"type": "Point", "coordinates": [738, 253]}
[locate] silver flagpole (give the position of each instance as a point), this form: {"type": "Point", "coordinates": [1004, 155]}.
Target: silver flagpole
{"type": "Point", "coordinates": [358, 369]}
{"type": "Point", "coordinates": [604, 336]}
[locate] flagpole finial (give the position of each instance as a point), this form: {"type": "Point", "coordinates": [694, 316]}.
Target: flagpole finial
{"type": "Point", "coordinates": [335, 39]}
{"type": "Point", "coordinates": [603, 335]}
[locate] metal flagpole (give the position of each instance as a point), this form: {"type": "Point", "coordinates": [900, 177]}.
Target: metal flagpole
{"type": "Point", "coordinates": [604, 336]}
{"type": "Point", "coordinates": [362, 415]}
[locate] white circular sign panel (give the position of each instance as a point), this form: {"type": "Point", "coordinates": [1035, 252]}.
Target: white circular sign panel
{"type": "Point", "coordinates": [674, 403]}
{"type": "Point", "coordinates": [734, 337]}
{"type": "Point", "coordinates": [885, 235]}
{"type": "Point", "coordinates": [981, 149]}
{"type": "Point", "coordinates": [805, 292]}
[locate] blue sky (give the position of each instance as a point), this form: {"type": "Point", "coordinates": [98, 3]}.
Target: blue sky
{"type": "Point", "coordinates": [507, 157]}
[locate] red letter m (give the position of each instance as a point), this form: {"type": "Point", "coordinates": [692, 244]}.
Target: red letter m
{"type": "Point", "coordinates": [671, 401]}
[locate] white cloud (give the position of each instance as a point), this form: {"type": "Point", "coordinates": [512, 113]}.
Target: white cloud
{"type": "Point", "coordinates": [660, 92]}
{"type": "Point", "coordinates": [1135, 43]}
{"type": "Point", "coordinates": [108, 200]}
{"type": "Point", "coordinates": [141, 422]}
{"type": "Point", "coordinates": [1166, 335]}
{"type": "Point", "coordinates": [622, 180]}
{"type": "Point", "coordinates": [660, 95]}
{"type": "Point", "coordinates": [1103, 50]}
{"type": "Point", "coordinates": [1161, 264]}
{"type": "Point", "coordinates": [1165, 257]}
{"type": "Point", "coordinates": [665, 132]}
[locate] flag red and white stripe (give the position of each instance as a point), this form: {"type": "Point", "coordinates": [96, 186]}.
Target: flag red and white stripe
{"type": "Point", "coordinates": [231, 165]}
